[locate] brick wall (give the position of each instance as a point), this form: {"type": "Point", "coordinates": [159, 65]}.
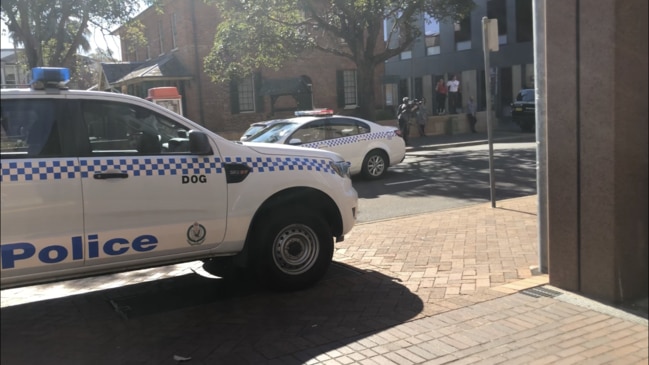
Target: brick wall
{"type": "Point", "coordinates": [209, 103]}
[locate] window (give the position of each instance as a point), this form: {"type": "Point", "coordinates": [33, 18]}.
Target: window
{"type": "Point", "coordinates": [349, 80]}
{"type": "Point", "coordinates": [345, 127]}
{"type": "Point", "coordinates": [524, 21]}
{"type": "Point", "coordinates": [463, 34]}
{"type": "Point", "coordinates": [246, 95]}
{"type": "Point", "coordinates": [311, 132]}
{"type": "Point", "coordinates": [390, 32]}
{"type": "Point", "coordinates": [431, 35]}
{"type": "Point", "coordinates": [29, 128]}
{"type": "Point", "coordinates": [118, 129]}
{"type": "Point", "coordinates": [160, 36]}
{"type": "Point", "coordinates": [406, 55]}
{"type": "Point", "coordinates": [497, 9]}
{"type": "Point", "coordinates": [173, 31]}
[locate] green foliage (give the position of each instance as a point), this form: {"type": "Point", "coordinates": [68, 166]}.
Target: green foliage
{"type": "Point", "coordinates": [268, 33]}
{"type": "Point", "coordinates": [53, 31]}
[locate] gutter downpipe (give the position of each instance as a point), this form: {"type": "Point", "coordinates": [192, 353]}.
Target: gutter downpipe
{"type": "Point", "coordinates": [541, 131]}
{"type": "Point", "coordinates": [197, 66]}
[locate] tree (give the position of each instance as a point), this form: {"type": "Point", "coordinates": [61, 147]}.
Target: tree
{"type": "Point", "coordinates": [53, 31]}
{"type": "Point", "coordinates": [268, 33]}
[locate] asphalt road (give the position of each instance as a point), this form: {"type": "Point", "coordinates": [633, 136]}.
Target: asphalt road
{"type": "Point", "coordinates": [436, 180]}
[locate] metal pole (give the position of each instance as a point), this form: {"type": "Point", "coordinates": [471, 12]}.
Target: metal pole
{"type": "Point", "coordinates": [541, 144]}
{"type": "Point", "coordinates": [487, 75]}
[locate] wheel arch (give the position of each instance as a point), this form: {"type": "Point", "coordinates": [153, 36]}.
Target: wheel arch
{"type": "Point", "coordinates": [296, 196]}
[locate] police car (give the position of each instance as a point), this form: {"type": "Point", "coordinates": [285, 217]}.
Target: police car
{"type": "Point", "coordinates": [97, 182]}
{"type": "Point", "coordinates": [369, 147]}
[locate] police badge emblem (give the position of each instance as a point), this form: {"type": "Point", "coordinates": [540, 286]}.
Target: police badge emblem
{"type": "Point", "coordinates": [196, 234]}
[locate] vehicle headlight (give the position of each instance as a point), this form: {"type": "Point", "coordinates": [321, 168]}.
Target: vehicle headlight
{"type": "Point", "coordinates": [341, 168]}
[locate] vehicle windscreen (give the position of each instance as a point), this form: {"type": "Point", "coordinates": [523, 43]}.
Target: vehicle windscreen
{"type": "Point", "coordinates": [273, 133]}
{"type": "Point", "coordinates": [525, 95]}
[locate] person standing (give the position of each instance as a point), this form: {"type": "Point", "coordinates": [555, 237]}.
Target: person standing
{"type": "Point", "coordinates": [421, 117]}
{"type": "Point", "coordinates": [440, 93]}
{"type": "Point", "coordinates": [453, 86]}
{"type": "Point", "coordinates": [403, 116]}
{"type": "Point", "coordinates": [470, 115]}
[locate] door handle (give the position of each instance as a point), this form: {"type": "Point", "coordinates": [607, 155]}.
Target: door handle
{"type": "Point", "coordinates": [110, 175]}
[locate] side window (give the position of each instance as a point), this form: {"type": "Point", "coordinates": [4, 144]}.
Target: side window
{"type": "Point", "coordinates": [310, 132]}
{"type": "Point", "coordinates": [344, 127]}
{"type": "Point", "coordinates": [29, 129]}
{"type": "Point", "coordinates": [119, 128]}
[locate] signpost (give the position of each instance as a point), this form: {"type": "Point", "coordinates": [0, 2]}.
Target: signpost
{"type": "Point", "coordinates": [489, 43]}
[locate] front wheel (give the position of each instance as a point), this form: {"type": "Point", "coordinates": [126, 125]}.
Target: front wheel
{"type": "Point", "coordinates": [293, 250]}
{"type": "Point", "coordinates": [375, 164]}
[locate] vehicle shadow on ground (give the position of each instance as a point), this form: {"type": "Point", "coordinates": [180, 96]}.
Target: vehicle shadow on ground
{"type": "Point", "coordinates": [462, 175]}
{"type": "Point", "coordinates": [213, 321]}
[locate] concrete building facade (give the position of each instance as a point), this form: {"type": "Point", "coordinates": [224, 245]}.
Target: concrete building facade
{"type": "Point", "coordinates": [593, 84]}
{"type": "Point", "coordinates": [450, 48]}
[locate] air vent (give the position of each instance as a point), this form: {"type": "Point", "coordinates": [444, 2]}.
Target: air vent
{"type": "Point", "coordinates": [541, 292]}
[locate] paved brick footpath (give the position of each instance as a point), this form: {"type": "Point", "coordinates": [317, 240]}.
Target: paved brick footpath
{"type": "Point", "coordinates": [450, 287]}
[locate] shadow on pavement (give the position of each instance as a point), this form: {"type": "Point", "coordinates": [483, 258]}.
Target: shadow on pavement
{"type": "Point", "coordinates": [213, 321]}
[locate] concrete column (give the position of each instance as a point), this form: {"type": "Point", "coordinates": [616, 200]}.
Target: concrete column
{"type": "Point", "coordinates": [596, 57]}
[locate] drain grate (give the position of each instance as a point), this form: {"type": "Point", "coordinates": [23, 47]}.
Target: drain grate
{"type": "Point", "coordinates": [538, 292]}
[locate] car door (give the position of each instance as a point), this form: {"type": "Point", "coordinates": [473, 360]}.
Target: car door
{"type": "Point", "coordinates": [42, 212]}
{"type": "Point", "coordinates": [312, 134]}
{"type": "Point", "coordinates": [349, 138]}
{"type": "Point", "coordinates": [145, 195]}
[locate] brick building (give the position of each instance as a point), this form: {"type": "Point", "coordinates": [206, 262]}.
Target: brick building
{"type": "Point", "coordinates": [178, 37]}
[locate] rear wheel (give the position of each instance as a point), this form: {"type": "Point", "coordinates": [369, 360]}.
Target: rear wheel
{"type": "Point", "coordinates": [293, 250]}
{"type": "Point", "coordinates": [375, 164]}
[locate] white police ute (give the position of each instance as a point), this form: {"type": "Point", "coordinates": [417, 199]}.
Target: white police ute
{"type": "Point", "coordinates": [98, 182]}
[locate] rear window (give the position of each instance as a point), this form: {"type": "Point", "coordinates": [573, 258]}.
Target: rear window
{"type": "Point", "coordinates": [525, 95]}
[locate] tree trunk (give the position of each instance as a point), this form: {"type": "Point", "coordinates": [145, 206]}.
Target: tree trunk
{"type": "Point", "coordinates": [366, 97]}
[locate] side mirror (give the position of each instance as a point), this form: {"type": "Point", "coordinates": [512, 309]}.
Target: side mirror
{"type": "Point", "coordinates": [295, 141]}
{"type": "Point", "coordinates": [199, 144]}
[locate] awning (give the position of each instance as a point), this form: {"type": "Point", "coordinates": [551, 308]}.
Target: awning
{"type": "Point", "coordinates": [391, 79]}
{"type": "Point", "coordinates": [165, 67]}
{"type": "Point", "coordinates": [288, 86]}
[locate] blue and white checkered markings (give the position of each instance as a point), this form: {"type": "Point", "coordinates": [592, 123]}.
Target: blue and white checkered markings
{"type": "Point", "coordinates": [271, 164]}
{"type": "Point", "coordinates": [59, 169]}
{"type": "Point", "coordinates": [353, 139]}
{"type": "Point", "coordinates": [38, 170]}
{"type": "Point", "coordinates": [153, 166]}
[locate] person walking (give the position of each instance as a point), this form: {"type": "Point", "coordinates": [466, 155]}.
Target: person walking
{"type": "Point", "coordinates": [453, 86]}
{"type": "Point", "coordinates": [440, 93]}
{"type": "Point", "coordinates": [422, 116]}
{"type": "Point", "coordinates": [403, 116]}
{"type": "Point", "coordinates": [470, 115]}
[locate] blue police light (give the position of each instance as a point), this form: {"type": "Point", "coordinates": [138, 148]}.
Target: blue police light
{"type": "Point", "coordinates": [43, 77]}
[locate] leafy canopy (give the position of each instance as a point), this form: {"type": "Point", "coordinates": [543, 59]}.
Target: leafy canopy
{"type": "Point", "coordinates": [53, 31]}
{"type": "Point", "coordinates": [268, 33]}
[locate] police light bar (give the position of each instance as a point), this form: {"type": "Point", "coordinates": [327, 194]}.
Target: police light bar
{"type": "Point", "coordinates": [43, 77]}
{"type": "Point", "coordinates": [314, 113]}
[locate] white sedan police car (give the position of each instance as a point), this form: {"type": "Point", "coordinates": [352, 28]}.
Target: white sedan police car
{"type": "Point", "coordinates": [98, 182]}
{"type": "Point", "coordinates": [370, 148]}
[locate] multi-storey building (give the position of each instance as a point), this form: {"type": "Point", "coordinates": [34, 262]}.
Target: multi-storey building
{"type": "Point", "coordinates": [12, 72]}
{"type": "Point", "coordinates": [455, 48]}
{"type": "Point", "coordinates": [180, 34]}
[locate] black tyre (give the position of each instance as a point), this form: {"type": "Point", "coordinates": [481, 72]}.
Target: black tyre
{"type": "Point", "coordinates": [375, 164]}
{"type": "Point", "coordinates": [293, 250]}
